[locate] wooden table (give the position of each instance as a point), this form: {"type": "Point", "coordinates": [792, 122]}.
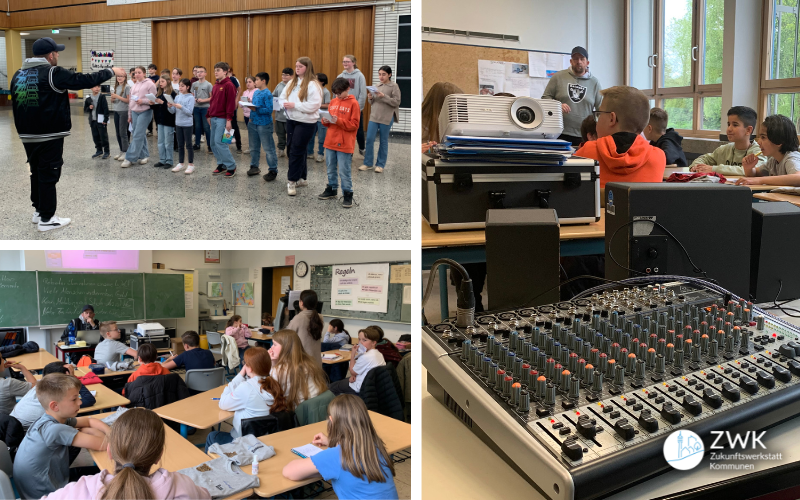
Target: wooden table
{"type": "Point", "coordinates": [395, 434]}
{"type": "Point", "coordinates": [105, 398]}
{"type": "Point", "coordinates": [178, 454]}
{"type": "Point", "coordinates": [791, 198]}
{"type": "Point", "coordinates": [62, 349]}
{"type": "Point", "coordinates": [34, 361]}
{"type": "Point", "coordinates": [259, 337]}
{"type": "Point", "coordinates": [199, 411]}
{"type": "Point", "coordinates": [345, 357]}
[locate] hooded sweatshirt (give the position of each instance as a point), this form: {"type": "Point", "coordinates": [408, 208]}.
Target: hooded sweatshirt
{"type": "Point", "coordinates": [358, 86]}
{"type": "Point", "coordinates": [306, 111]}
{"type": "Point", "coordinates": [670, 142]}
{"type": "Point", "coordinates": [341, 135]}
{"type": "Point", "coordinates": [245, 398]}
{"type": "Point", "coordinates": [223, 100]}
{"type": "Point", "coordinates": [580, 93]}
{"type": "Point", "coordinates": [727, 160]}
{"type": "Point", "coordinates": [165, 484]}
{"type": "Point", "coordinates": [148, 369]}
{"type": "Point", "coordinates": [625, 157]}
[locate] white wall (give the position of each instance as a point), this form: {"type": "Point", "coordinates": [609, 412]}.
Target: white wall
{"type": "Point", "coordinates": [546, 25]}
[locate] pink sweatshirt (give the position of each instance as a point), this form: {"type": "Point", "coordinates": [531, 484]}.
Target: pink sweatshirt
{"type": "Point", "coordinates": [140, 90]}
{"type": "Point", "coordinates": [249, 95]}
{"type": "Point", "coordinates": [241, 335]}
{"type": "Point", "coordinates": [166, 485]}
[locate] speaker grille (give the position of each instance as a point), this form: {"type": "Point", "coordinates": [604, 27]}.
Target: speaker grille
{"type": "Point", "coordinates": [457, 411]}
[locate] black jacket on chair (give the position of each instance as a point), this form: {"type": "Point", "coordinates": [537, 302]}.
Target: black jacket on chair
{"type": "Point", "coordinates": [272, 423]}
{"type": "Point", "coordinates": [381, 392]}
{"type": "Point", "coordinates": [155, 391]}
{"type": "Point", "coordinates": [11, 433]}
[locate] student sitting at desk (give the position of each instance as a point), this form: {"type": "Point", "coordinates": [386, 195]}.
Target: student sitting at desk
{"type": "Point", "coordinates": [624, 155]}
{"type": "Point", "coordinates": [665, 138]}
{"type": "Point", "coordinates": [136, 443]}
{"type": "Point", "coordinates": [239, 332]}
{"type": "Point", "coordinates": [10, 387]}
{"type": "Point", "coordinates": [778, 140]}
{"type": "Point", "coordinates": [299, 376]}
{"type": "Point", "coordinates": [29, 409]}
{"type": "Point", "coordinates": [111, 349]}
{"type": "Point", "coordinates": [727, 159]}
{"type": "Point", "coordinates": [192, 357]}
{"type": "Point", "coordinates": [336, 336]}
{"type": "Point", "coordinates": [147, 354]}
{"type": "Point", "coordinates": [252, 393]}
{"type": "Point", "coordinates": [42, 462]}
{"type": "Point", "coordinates": [356, 461]}
{"type": "Point", "coordinates": [364, 358]}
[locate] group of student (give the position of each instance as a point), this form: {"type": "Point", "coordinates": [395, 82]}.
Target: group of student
{"type": "Point", "coordinates": [632, 142]}
{"type": "Point", "coordinates": [183, 107]}
{"type": "Point", "coordinates": [269, 381]}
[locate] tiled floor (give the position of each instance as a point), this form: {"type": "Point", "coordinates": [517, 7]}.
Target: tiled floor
{"type": "Point", "coordinates": [106, 202]}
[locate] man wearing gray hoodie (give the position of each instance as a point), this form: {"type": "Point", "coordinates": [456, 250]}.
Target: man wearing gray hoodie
{"type": "Point", "coordinates": [578, 91]}
{"type": "Point", "coordinates": [358, 89]}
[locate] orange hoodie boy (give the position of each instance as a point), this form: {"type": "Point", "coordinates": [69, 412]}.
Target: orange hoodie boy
{"type": "Point", "coordinates": [624, 155]}
{"type": "Point", "coordinates": [341, 135]}
{"type": "Point", "coordinates": [340, 141]}
{"type": "Point", "coordinates": [147, 355]}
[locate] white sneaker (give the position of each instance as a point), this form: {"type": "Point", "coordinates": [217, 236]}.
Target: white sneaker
{"type": "Point", "coordinates": [364, 167]}
{"type": "Point", "coordinates": [189, 170]}
{"type": "Point", "coordinates": [378, 170]}
{"type": "Point", "coordinates": [142, 161]}
{"type": "Point", "coordinates": [178, 167]}
{"type": "Point", "coordinates": [320, 158]}
{"type": "Point", "coordinates": [281, 153]}
{"type": "Point", "coordinates": [311, 156]}
{"type": "Point", "coordinates": [117, 157]}
{"type": "Point", "coordinates": [202, 138]}
{"type": "Point", "coordinates": [302, 183]}
{"type": "Point", "coordinates": [126, 164]}
{"type": "Point", "coordinates": [54, 223]}
{"type": "Point", "coordinates": [121, 157]}
{"type": "Point", "coordinates": [292, 188]}
{"type": "Point", "coordinates": [35, 219]}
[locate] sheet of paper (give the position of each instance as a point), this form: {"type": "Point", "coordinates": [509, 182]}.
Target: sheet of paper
{"type": "Point", "coordinates": [324, 114]}
{"type": "Point", "coordinates": [100, 118]}
{"type": "Point", "coordinates": [307, 450]}
{"type": "Point", "coordinates": [168, 98]}
{"type": "Point", "coordinates": [519, 86]}
{"type": "Point", "coordinates": [515, 70]}
{"type": "Point", "coordinates": [372, 89]}
{"type": "Point", "coordinates": [285, 282]}
{"type": "Point", "coordinates": [491, 75]}
{"type": "Point", "coordinates": [246, 104]}
{"type": "Point", "coordinates": [130, 127]}
{"type": "Point", "coordinates": [188, 282]}
{"type": "Point", "coordinates": [188, 300]}
{"type": "Point", "coordinates": [94, 393]}
{"type": "Point", "coordinates": [537, 86]}
{"type": "Point", "coordinates": [151, 97]}
{"type": "Point", "coordinates": [566, 64]}
{"type": "Point", "coordinates": [537, 64]}
{"type": "Point", "coordinates": [400, 274]}
{"type": "Point", "coordinates": [406, 295]}
{"type": "Point", "coordinates": [276, 105]}
{"type": "Point", "coordinates": [134, 98]}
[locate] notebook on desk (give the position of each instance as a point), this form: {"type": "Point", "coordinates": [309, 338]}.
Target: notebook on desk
{"type": "Point", "coordinates": [306, 451]}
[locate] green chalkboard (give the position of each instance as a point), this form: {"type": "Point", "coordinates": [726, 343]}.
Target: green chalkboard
{"type": "Point", "coordinates": [18, 301]}
{"type": "Point", "coordinates": [116, 297]}
{"type": "Point", "coordinates": [164, 296]}
{"type": "Point", "coordinates": [396, 311]}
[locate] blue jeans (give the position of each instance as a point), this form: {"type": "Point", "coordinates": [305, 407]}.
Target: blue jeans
{"type": "Point", "coordinates": [221, 151]}
{"type": "Point", "coordinates": [138, 147]}
{"type": "Point", "coordinates": [320, 132]}
{"type": "Point", "coordinates": [261, 135]}
{"type": "Point", "coordinates": [343, 161]}
{"type": "Point", "coordinates": [219, 438]}
{"type": "Point", "coordinates": [201, 125]}
{"type": "Point", "coordinates": [166, 137]}
{"type": "Point", "coordinates": [383, 150]}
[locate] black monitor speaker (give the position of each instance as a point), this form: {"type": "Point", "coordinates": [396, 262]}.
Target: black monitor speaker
{"type": "Point", "coordinates": [775, 238]}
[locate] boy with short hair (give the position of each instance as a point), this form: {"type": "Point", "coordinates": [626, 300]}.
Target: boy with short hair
{"type": "Point", "coordinates": [220, 114]}
{"type": "Point", "coordinates": [624, 155]}
{"type": "Point", "coordinates": [727, 159]}
{"type": "Point", "coordinates": [130, 76]}
{"type": "Point", "coordinates": [665, 138]}
{"type": "Point", "coordinates": [97, 107]}
{"type": "Point", "coordinates": [147, 354]}
{"type": "Point", "coordinates": [110, 350]}
{"type": "Point", "coordinates": [10, 387]}
{"type": "Point", "coordinates": [260, 129]}
{"type": "Point", "coordinates": [28, 410]}
{"type": "Point", "coordinates": [280, 114]}
{"type": "Point", "coordinates": [340, 141]}
{"type": "Point", "coordinates": [42, 462]}
{"type": "Point", "coordinates": [192, 357]}
{"type": "Point", "coordinates": [201, 90]}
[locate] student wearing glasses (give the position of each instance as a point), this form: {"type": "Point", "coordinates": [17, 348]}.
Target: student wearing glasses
{"type": "Point", "coordinates": [111, 350]}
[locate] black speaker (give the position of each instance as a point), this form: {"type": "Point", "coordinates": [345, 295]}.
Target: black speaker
{"type": "Point", "coordinates": [710, 221]}
{"type": "Point", "coordinates": [522, 251]}
{"type": "Point", "coordinates": [775, 237]}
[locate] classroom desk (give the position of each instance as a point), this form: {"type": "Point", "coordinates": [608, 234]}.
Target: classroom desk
{"type": "Point", "coordinates": [62, 350]}
{"type": "Point", "coordinates": [105, 398]}
{"type": "Point", "coordinates": [199, 411]}
{"type": "Point", "coordinates": [345, 357]}
{"type": "Point", "coordinates": [178, 454]}
{"type": "Point", "coordinates": [791, 198]}
{"type": "Point", "coordinates": [395, 434]}
{"type": "Point", "coordinates": [34, 361]}
{"type": "Point", "coordinates": [259, 337]}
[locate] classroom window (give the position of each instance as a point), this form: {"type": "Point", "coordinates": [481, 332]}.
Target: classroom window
{"type": "Point", "coordinates": [680, 111]}
{"type": "Point", "coordinates": [787, 104]}
{"type": "Point", "coordinates": [403, 70]}
{"type": "Point", "coordinates": [711, 113]}
{"type": "Point", "coordinates": [676, 70]}
{"type": "Point", "coordinates": [783, 63]}
{"type": "Point", "coordinates": [641, 49]}
{"type": "Point", "coordinates": [712, 42]}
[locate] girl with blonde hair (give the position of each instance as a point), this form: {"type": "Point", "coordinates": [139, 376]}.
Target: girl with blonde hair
{"type": "Point", "coordinates": [301, 378]}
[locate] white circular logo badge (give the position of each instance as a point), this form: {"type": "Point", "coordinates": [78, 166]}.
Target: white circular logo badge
{"type": "Point", "coordinates": [683, 450]}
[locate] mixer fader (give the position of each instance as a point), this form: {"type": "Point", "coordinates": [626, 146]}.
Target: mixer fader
{"type": "Point", "coordinates": [587, 390]}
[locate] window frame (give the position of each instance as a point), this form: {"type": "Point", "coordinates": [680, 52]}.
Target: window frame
{"type": "Point", "coordinates": [399, 24]}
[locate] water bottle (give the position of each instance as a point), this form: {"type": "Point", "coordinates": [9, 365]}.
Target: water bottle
{"type": "Point", "coordinates": [71, 334]}
{"type": "Point", "coordinates": [254, 470]}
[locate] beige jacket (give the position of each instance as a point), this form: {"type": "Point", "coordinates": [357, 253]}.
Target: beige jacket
{"type": "Point", "coordinates": [300, 324]}
{"type": "Point", "coordinates": [384, 108]}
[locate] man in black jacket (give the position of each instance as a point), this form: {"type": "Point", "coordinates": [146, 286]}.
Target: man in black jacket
{"type": "Point", "coordinates": [42, 117]}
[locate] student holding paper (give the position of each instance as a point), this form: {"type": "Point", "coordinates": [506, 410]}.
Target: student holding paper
{"type": "Point", "coordinates": [119, 105]}
{"type": "Point", "coordinates": [220, 114]}
{"type": "Point", "coordinates": [259, 129]}
{"type": "Point", "coordinates": [165, 120]}
{"type": "Point", "coordinates": [247, 96]}
{"type": "Point", "coordinates": [342, 122]}
{"type": "Point", "coordinates": [301, 99]}
{"type": "Point", "coordinates": [385, 103]}
{"type": "Point", "coordinates": [97, 106]}
{"type": "Point", "coordinates": [139, 115]}
{"type": "Point", "coordinates": [184, 116]}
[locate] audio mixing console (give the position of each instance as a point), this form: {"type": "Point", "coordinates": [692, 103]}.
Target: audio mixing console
{"type": "Point", "coordinates": [579, 396]}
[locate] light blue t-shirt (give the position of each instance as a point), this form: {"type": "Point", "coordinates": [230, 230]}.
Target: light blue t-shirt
{"type": "Point", "coordinates": [42, 462]}
{"type": "Point", "coordinates": [109, 351]}
{"type": "Point", "coordinates": [345, 485]}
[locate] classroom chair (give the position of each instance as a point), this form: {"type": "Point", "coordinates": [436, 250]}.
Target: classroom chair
{"type": "Point", "coordinates": [7, 491]}
{"type": "Point", "coordinates": [7, 468]}
{"type": "Point", "coordinates": [205, 379]}
{"type": "Point", "coordinates": [215, 345]}
{"type": "Point", "coordinates": [314, 410]}
{"type": "Point", "coordinates": [276, 422]}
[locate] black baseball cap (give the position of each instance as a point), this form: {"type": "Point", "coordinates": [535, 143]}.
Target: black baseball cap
{"type": "Point", "coordinates": [580, 50]}
{"type": "Point", "coordinates": [44, 46]}
{"type": "Point", "coordinates": [87, 307]}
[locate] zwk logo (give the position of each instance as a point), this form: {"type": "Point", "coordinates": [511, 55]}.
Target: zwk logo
{"type": "Point", "coordinates": [683, 450]}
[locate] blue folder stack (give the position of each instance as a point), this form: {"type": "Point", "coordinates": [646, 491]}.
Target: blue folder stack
{"type": "Point", "coordinates": [503, 150]}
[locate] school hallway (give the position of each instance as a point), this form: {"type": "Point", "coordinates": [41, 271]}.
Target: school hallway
{"type": "Point", "coordinates": [107, 202]}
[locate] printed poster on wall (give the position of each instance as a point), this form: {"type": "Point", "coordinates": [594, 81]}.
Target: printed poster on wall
{"type": "Point", "coordinates": [102, 59]}
{"type": "Point", "coordinates": [360, 287]}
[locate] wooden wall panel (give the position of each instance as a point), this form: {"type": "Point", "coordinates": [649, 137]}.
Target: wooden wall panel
{"type": "Point", "coordinates": [63, 12]}
{"type": "Point", "coordinates": [177, 44]}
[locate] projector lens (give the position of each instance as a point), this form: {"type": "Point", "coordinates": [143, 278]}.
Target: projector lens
{"type": "Point", "coordinates": [525, 115]}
